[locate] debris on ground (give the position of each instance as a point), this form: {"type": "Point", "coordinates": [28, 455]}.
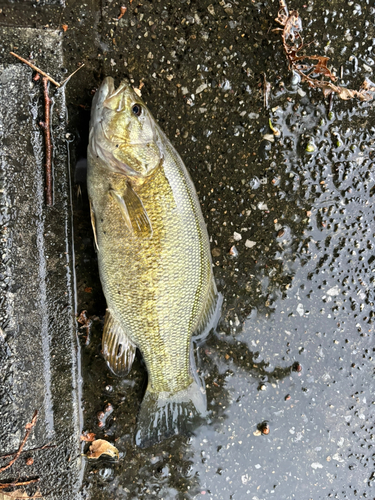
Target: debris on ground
{"type": "Point", "coordinates": [102, 447]}
{"type": "Point", "coordinates": [304, 66]}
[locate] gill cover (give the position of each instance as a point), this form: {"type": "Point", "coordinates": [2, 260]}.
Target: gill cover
{"type": "Point", "coordinates": [123, 133]}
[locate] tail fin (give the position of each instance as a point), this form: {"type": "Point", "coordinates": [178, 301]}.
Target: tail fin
{"type": "Point", "coordinates": [163, 415]}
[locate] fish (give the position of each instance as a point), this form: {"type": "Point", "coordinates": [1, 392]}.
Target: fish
{"type": "Point", "coordinates": [154, 260]}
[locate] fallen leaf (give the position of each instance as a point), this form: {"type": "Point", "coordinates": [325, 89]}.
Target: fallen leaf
{"type": "Point", "coordinates": [346, 94]}
{"type": "Point", "coordinates": [87, 436]}
{"type": "Point", "coordinates": [102, 447]}
{"type": "Point", "coordinates": [19, 494]}
{"type": "Point", "coordinates": [310, 67]}
{"type": "Point", "coordinates": [368, 85]}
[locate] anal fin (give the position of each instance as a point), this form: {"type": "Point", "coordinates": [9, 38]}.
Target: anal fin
{"type": "Point", "coordinates": [210, 314]}
{"type": "Point", "coordinates": [118, 350]}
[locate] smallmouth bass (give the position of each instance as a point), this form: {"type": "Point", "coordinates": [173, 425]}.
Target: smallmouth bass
{"type": "Point", "coordinates": [154, 259]}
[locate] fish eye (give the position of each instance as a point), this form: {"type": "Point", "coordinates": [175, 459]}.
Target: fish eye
{"type": "Point", "coordinates": [137, 109]}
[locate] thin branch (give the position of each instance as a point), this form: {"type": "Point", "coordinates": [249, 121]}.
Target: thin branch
{"type": "Point", "coordinates": [46, 126]}
{"type": "Point", "coordinates": [70, 76]}
{"type": "Point", "coordinates": [36, 69]}
{"type": "Point", "coordinates": [14, 484]}
{"type": "Point", "coordinates": [28, 428]}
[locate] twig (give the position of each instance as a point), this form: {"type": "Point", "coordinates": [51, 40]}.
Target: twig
{"type": "Point", "coordinates": [44, 447]}
{"type": "Point", "coordinates": [307, 70]}
{"type": "Point", "coordinates": [36, 69]}
{"type": "Point", "coordinates": [3, 486]}
{"type": "Point", "coordinates": [46, 124]}
{"type": "Point", "coordinates": [70, 76]}
{"type": "Point", "coordinates": [28, 428]}
{"type": "Point", "coordinates": [47, 139]}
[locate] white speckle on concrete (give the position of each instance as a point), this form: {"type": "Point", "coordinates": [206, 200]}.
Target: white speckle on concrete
{"type": "Point", "coordinates": [269, 137]}
{"type": "Point", "coordinates": [335, 290]}
{"type": "Point", "coordinates": [250, 244]}
{"type": "Point", "coordinates": [316, 465]}
{"type": "Point", "coordinates": [201, 88]}
{"type": "Point", "coordinates": [262, 206]}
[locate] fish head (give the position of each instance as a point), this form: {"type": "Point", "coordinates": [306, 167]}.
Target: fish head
{"type": "Point", "coordinates": [123, 132]}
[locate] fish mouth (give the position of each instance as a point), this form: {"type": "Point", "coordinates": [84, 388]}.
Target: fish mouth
{"type": "Point", "coordinates": [105, 89]}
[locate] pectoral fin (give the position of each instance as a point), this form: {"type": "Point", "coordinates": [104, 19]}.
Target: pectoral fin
{"type": "Point", "coordinates": [132, 211]}
{"type": "Point", "coordinates": [118, 350]}
{"type": "Point", "coordinates": [93, 223]}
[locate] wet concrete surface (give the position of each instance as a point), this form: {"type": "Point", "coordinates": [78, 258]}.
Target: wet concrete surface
{"type": "Point", "coordinates": [38, 340]}
{"type": "Point", "coordinates": [294, 346]}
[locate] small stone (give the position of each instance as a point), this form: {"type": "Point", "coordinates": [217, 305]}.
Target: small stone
{"type": "Point", "coordinates": [265, 428]}
{"type": "Point", "coordinates": [233, 251]}
{"type": "Point", "coordinates": [287, 397]}
{"type": "Point", "coordinates": [269, 137]}
{"type": "Point", "coordinates": [237, 236]}
{"type": "Point", "coordinates": [216, 252]}
{"type": "Point", "coordinates": [332, 292]}
{"type": "Point", "coordinates": [250, 244]}
{"type": "Point", "coordinates": [316, 465]}
{"type": "Point", "coordinates": [201, 88]}
{"type": "Point", "coordinates": [211, 9]}
{"type": "Point", "coordinates": [297, 367]}
{"type": "Point", "coordinates": [263, 387]}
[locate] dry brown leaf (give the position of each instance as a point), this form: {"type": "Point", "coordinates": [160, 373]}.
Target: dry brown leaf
{"type": "Point", "coordinates": [87, 436]}
{"type": "Point", "coordinates": [18, 494]}
{"type": "Point", "coordinates": [346, 94]}
{"type": "Point", "coordinates": [102, 447]}
{"type": "Point", "coordinates": [368, 85]}
{"type": "Point", "coordinates": [308, 71]}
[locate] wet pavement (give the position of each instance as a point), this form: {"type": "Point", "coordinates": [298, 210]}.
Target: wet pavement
{"type": "Point", "coordinates": [38, 341]}
{"type": "Point", "coordinates": [292, 227]}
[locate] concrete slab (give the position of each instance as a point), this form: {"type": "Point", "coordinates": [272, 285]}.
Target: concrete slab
{"type": "Point", "coordinates": [38, 343]}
